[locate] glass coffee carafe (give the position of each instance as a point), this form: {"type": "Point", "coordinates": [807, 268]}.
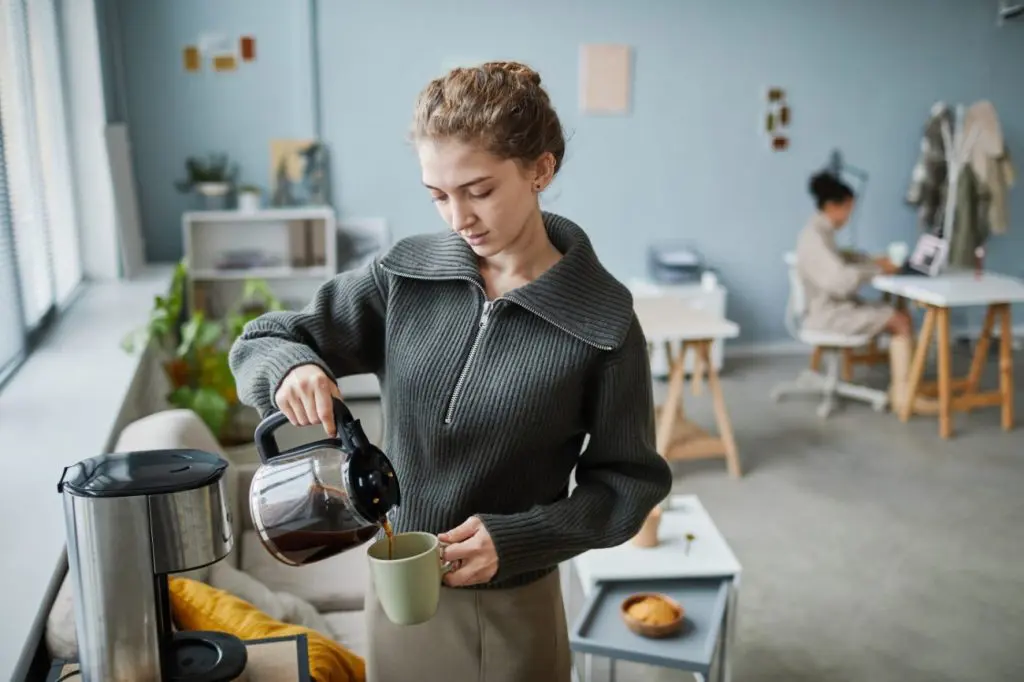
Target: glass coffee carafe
{"type": "Point", "coordinates": [322, 498]}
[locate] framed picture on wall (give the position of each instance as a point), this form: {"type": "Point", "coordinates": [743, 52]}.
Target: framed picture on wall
{"type": "Point", "coordinates": [299, 173]}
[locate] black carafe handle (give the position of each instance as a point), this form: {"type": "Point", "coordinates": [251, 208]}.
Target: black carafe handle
{"type": "Point", "coordinates": [266, 442]}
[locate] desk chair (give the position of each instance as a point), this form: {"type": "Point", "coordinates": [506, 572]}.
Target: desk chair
{"type": "Point", "coordinates": [833, 346]}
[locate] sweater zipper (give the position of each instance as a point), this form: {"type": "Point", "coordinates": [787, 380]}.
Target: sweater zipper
{"type": "Point", "coordinates": [485, 316]}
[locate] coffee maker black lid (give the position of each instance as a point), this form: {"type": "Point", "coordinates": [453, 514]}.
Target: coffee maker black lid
{"type": "Point", "coordinates": [144, 472]}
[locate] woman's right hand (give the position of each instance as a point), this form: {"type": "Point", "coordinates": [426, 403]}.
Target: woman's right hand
{"type": "Point", "coordinates": [886, 266]}
{"type": "Point", "coordinates": [305, 397]}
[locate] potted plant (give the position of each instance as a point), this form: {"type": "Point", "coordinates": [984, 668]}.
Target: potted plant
{"type": "Point", "coordinates": [250, 198]}
{"type": "Point", "coordinates": [193, 353]}
{"type": "Point", "coordinates": [211, 178]}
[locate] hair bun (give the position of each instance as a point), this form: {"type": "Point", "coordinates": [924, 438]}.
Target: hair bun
{"type": "Point", "coordinates": [516, 70]}
{"type": "Point", "coordinates": [820, 183]}
{"type": "Point", "coordinates": [826, 187]}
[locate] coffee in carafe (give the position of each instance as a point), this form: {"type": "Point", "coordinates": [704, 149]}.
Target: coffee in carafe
{"type": "Point", "coordinates": [323, 498]}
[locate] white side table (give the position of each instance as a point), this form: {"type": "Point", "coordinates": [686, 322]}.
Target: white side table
{"type": "Point", "coordinates": [708, 555]}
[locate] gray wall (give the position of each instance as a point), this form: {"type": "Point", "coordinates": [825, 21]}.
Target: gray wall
{"type": "Point", "coordinates": [689, 162]}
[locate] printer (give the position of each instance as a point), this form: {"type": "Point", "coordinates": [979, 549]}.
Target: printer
{"type": "Point", "coordinates": [674, 263]}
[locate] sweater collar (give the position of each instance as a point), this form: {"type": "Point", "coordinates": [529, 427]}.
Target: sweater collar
{"type": "Point", "coordinates": [577, 294]}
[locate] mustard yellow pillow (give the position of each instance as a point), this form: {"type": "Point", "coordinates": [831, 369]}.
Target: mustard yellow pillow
{"type": "Point", "coordinates": [198, 606]}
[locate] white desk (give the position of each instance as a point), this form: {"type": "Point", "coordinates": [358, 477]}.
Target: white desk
{"type": "Point", "coordinates": [709, 555]}
{"type": "Point", "coordinates": [954, 289]}
{"type": "Point", "coordinates": [709, 299]}
{"type": "Point", "coordinates": [667, 320]}
{"type": "Point", "coordinates": [960, 288]}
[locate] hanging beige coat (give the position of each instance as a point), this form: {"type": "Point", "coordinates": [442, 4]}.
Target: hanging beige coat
{"type": "Point", "coordinates": [990, 160]}
{"type": "Point", "coordinates": [831, 280]}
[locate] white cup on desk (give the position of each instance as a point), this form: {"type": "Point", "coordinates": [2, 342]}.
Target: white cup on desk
{"type": "Point", "coordinates": [898, 252]}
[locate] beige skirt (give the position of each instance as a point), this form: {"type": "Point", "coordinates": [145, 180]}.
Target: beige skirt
{"type": "Point", "coordinates": [517, 634]}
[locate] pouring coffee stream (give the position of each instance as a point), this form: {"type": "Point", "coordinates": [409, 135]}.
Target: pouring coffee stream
{"type": "Point", "coordinates": [323, 498]}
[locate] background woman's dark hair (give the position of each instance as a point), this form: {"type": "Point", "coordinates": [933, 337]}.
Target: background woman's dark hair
{"type": "Point", "coordinates": [826, 187]}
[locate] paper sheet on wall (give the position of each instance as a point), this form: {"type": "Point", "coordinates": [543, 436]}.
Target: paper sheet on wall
{"type": "Point", "coordinates": [224, 62]}
{"type": "Point", "coordinates": [604, 78]}
{"type": "Point", "coordinates": [211, 44]}
{"type": "Point", "coordinates": [247, 47]}
{"type": "Point", "coordinates": [191, 58]}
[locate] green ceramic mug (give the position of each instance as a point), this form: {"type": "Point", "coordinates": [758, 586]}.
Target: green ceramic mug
{"type": "Point", "coordinates": [408, 585]}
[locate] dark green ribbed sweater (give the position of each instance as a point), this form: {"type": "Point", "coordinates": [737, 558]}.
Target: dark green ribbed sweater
{"type": "Point", "coordinates": [488, 403]}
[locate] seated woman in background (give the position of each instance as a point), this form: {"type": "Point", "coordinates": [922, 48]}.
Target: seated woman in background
{"type": "Point", "coordinates": [832, 277]}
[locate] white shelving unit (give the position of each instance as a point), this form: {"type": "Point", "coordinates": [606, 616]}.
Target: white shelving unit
{"type": "Point", "coordinates": [293, 249]}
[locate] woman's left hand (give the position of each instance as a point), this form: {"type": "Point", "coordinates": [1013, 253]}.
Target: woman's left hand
{"type": "Point", "coordinates": [472, 551]}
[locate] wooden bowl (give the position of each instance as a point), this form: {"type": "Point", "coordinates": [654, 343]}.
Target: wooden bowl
{"type": "Point", "coordinates": [646, 629]}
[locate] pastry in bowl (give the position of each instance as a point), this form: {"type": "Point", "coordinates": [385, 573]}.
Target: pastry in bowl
{"type": "Point", "coordinates": [652, 615]}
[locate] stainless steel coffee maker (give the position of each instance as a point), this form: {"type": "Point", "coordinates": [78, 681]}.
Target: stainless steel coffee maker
{"type": "Point", "coordinates": [132, 519]}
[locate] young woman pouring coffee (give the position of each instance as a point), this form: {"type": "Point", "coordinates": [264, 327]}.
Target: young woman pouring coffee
{"type": "Point", "coordinates": [500, 345]}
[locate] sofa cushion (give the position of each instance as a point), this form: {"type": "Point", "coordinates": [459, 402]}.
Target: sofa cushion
{"type": "Point", "coordinates": [281, 606]}
{"type": "Point", "coordinates": [348, 629]}
{"type": "Point", "coordinates": [334, 584]}
{"type": "Point", "coordinates": [60, 634]}
{"type": "Point", "coordinates": [197, 606]}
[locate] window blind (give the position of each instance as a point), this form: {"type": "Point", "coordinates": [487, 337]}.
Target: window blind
{"type": "Point", "coordinates": [12, 331]}
{"type": "Point", "coordinates": [22, 160]}
{"type": "Point", "coordinates": [40, 261]}
{"type": "Point", "coordinates": [57, 191]}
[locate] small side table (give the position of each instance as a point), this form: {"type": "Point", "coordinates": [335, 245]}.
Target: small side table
{"type": "Point", "coordinates": [703, 573]}
{"type": "Point", "coordinates": [275, 659]}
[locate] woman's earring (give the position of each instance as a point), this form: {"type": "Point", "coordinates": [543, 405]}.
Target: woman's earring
{"type": "Point", "coordinates": [536, 187]}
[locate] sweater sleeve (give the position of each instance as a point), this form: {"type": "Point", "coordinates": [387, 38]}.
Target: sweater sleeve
{"type": "Point", "coordinates": [821, 264]}
{"type": "Point", "coordinates": [620, 476]}
{"type": "Point", "coordinates": [341, 330]}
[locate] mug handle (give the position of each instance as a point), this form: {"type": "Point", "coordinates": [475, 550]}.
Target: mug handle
{"type": "Point", "coordinates": [446, 566]}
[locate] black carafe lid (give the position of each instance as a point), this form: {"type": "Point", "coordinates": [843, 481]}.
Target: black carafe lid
{"type": "Point", "coordinates": [143, 472]}
{"type": "Point", "coordinates": [372, 481]}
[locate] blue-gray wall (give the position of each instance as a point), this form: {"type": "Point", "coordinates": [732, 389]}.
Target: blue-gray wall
{"type": "Point", "coordinates": [689, 162]}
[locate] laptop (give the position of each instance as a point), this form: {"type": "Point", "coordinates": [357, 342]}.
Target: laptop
{"type": "Point", "coordinates": [928, 257]}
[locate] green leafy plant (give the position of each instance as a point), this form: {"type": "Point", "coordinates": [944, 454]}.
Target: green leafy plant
{"type": "Point", "coordinates": [193, 352]}
{"type": "Point", "coordinates": [249, 189]}
{"type": "Point", "coordinates": [215, 168]}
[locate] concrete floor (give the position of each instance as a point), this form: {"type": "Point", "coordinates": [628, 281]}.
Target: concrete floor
{"type": "Point", "coordinates": [872, 549]}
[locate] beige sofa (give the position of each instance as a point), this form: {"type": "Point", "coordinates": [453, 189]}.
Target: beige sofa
{"type": "Point", "coordinates": [327, 596]}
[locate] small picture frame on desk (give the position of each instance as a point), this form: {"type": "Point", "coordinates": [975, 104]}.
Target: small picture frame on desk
{"type": "Point", "coordinates": [929, 255]}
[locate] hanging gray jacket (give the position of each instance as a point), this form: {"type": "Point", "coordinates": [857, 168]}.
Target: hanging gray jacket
{"type": "Point", "coordinates": [927, 189]}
